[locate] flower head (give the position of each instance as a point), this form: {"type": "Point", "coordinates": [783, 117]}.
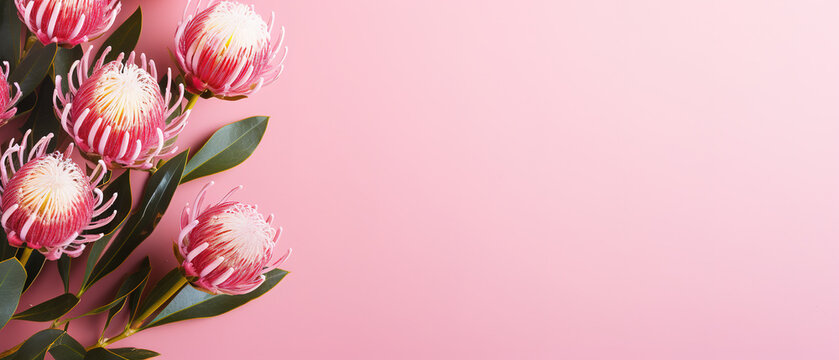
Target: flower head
{"type": "Point", "coordinates": [67, 22]}
{"type": "Point", "coordinates": [226, 50]}
{"type": "Point", "coordinates": [48, 201]}
{"type": "Point", "coordinates": [7, 100]}
{"type": "Point", "coordinates": [226, 247]}
{"type": "Point", "coordinates": [118, 112]}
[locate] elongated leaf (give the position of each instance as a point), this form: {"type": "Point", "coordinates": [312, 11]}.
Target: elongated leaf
{"type": "Point", "coordinates": [103, 354]}
{"type": "Point", "coordinates": [228, 147]}
{"type": "Point", "coordinates": [191, 303]}
{"type": "Point", "coordinates": [33, 268]}
{"type": "Point", "coordinates": [158, 291]}
{"type": "Point", "coordinates": [10, 27]}
{"type": "Point", "coordinates": [122, 187]}
{"type": "Point", "coordinates": [140, 224]}
{"type": "Point", "coordinates": [42, 119]}
{"type": "Point", "coordinates": [63, 264]}
{"type": "Point", "coordinates": [67, 348]}
{"type": "Point", "coordinates": [111, 313]}
{"type": "Point", "coordinates": [64, 58]}
{"type": "Point", "coordinates": [134, 353]}
{"type": "Point", "coordinates": [35, 348]}
{"type": "Point", "coordinates": [124, 38]}
{"type": "Point", "coordinates": [145, 268]}
{"type": "Point", "coordinates": [49, 310]}
{"type": "Point", "coordinates": [132, 282]}
{"type": "Point", "coordinates": [95, 252]}
{"type": "Point", "coordinates": [34, 67]}
{"type": "Point", "coordinates": [12, 277]}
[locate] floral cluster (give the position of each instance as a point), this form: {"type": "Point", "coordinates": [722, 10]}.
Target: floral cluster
{"type": "Point", "coordinates": [65, 184]}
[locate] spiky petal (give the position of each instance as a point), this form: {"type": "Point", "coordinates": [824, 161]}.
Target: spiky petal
{"type": "Point", "coordinates": [48, 202]}
{"type": "Point", "coordinates": [118, 112]}
{"type": "Point", "coordinates": [226, 248]}
{"type": "Point", "coordinates": [8, 97]}
{"type": "Point", "coordinates": [226, 49]}
{"type": "Point", "coordinates": [67, 22]}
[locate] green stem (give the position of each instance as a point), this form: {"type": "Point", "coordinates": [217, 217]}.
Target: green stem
{"type": "Point", "coordinates": [27, 251]}
{"type": "Point", "coordinates": [192, 100]}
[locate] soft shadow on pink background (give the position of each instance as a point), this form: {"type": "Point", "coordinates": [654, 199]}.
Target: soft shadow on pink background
{"type": "Point", "coordinates": [531, 180]}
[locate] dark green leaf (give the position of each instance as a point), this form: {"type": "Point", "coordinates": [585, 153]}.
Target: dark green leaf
{"type": "Point", "coordinates": [67, 348]}
{"type": "Point", "coordinates": [49, 310]}
{"type": "Point", "coordinates": [140, 224]}
{"type": "Point", "coordinates": [228, 147]}
{"type": "Point", "coordinates": [144, 269]}
{"type": "Point", "coordinates": [103, 354]}
{"type": "Point", "coordinates": [33, 268]}
{"type": "Point", "coordinates": [37, 345]}
{"type": "Point", "coordinates": [34, 67]}
{"type": "Point", "coordinates": [124, 38]}
{"type": "Point", "coordinates": [190, 303]}
{"type": "Point", "coordinates": [64, 59]}
{"type": "Point", "coordinates": [111, 313]}
{"type": "Point", "coordinates": [134, 353]}
{"type": "Point", "coordinates": [63, 264]}
{"type": "Point", "coordinates": [42, 120]}
{"type": "Point", "coordinates": [12, 277]}
{"type": "Point", "coordinates": [10, 27]}
{"type": "Point", "coordinates": [159, 290]}
{"type": "Point", "coordinates": [92, 257]}
{"type": "Point", "coordinates": [132, 282]}
{"type": "Point", "coordinates": [122, 186]}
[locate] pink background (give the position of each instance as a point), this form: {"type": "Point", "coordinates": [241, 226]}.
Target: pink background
{"type": "Point", "coordinates": [595, 179]}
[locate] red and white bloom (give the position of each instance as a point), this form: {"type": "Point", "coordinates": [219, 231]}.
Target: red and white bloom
{"type": "Point", "coordinates": [226, 248]}
{"type": "Point", "coordinates": [7, 100]}
{"type": "Point", "coordinates": [67, 22]}
{"type": "Point", "coordinates": [48, 201]}
{"type": "Point", "coordinates": [118, 112]}
{"type": "Point", "coordinates": [226, 49]}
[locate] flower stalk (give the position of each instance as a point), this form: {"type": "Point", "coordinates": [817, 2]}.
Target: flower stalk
{"type": "Point", "coordinates": [24, 258]}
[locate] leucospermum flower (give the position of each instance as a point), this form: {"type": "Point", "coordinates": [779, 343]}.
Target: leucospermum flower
{"type": "Point", "coordinates": [118, 112]}
{"type": "Point", "coordinates": [227, 247]}
{"type": "Point", "coordinates": [48, 201]}
{"type": "Point", "coordinates": [7, 100]}
{"type": "Point", "coordinates": [67, 22]}
{"type": "Point", "coordinates": [226, 50]}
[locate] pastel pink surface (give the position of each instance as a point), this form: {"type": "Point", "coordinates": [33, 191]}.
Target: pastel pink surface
{"type": "Point", "coordinates": [532, 180]}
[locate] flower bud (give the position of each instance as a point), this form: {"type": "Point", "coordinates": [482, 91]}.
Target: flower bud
{"type": "Point", "coordinates": [226, 50]}
{"type": "Point", "coordinates": [7, 100]}
{"type": "Point", "coordinates": [67, 22]}
{"type": "Point", "coordinates": [227, 247]}
{"type": "Point", "coordinates": [48, 201]}
{"type": "Point", "coordinates": [118, 112]}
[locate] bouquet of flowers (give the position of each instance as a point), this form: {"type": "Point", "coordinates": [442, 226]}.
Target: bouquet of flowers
{"type": "Point", "coordinates": [90, 116]}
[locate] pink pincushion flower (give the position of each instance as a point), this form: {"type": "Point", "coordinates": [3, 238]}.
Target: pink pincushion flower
{"type": "Point", "coordinates": [227, 247]}
{"type": "Point", "coordinates": [118, 112]}
{"type": "Point", "coordinates": [48, 201]}
{"type": "Point", "coordinates": [67, 22]}
{"type": "Point", "coordinates": [7, 100]}
{"type": "Point", "coordinates": [226, 50]}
